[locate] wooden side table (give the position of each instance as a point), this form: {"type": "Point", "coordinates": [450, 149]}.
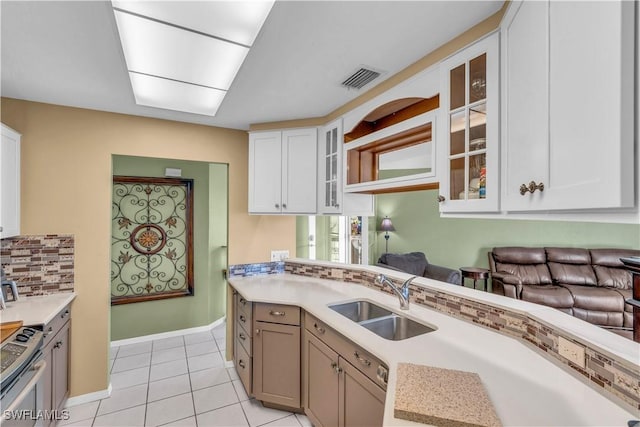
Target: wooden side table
{"type": "Point", "coordinates": [475, 274]}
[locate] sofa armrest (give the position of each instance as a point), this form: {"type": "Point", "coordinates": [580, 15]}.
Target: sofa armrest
{"type": "Point", "coordinates": [506, 284]}
{"type": "Point", "coordinates": [444, 274]}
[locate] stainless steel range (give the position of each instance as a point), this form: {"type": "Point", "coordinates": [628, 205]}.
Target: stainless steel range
{"type": "Point", "coordinates": [22, 367]}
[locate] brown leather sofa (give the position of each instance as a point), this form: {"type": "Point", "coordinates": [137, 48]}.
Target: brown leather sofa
{"type": "Point", "coordinates": [590, 284]}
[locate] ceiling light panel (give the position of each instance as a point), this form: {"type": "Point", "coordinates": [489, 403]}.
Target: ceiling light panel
{"type": "Point", "coordinates": [237, 21]}
{"type": "Point", "coordinates": [172, 95]}
{"type": "Point", "coordinates": [162, 50]}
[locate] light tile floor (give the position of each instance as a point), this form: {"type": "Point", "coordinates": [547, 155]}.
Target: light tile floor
{"type": "Point", "coordinates": [178, 381]}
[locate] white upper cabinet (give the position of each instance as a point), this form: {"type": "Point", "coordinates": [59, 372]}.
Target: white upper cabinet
{"type": "Point", "coordinates": [10, 183]}
{"type": "Point", "coordinates": [331, 198]}
{"type": "Point", "coordinates": [567, 105]}
{"type": "Point", "coordinates": [282, 172]}
{"type": "Point", "coordinates": [469, 137]}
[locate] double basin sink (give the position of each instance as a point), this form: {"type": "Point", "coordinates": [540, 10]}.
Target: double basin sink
{"type": "Point", "coordinates": [381, 321]}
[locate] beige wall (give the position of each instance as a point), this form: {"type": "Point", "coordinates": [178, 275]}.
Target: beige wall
{"type": "Point", "coordinates": [66, 188]}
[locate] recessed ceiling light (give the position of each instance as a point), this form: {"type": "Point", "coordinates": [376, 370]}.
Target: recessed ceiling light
{"type": "Point", "coordinates": [199, 44]}
{"type": "Point", "coordinates": [237, 21]}
{"type": "Point", "coordinates": [172, 95]}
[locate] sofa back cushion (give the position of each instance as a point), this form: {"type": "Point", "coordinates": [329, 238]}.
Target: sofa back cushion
{"type": "Point", "coordinates": [571, 266]}
{"type": "Point", "coordinates": [528, 264]}
{"type": "Point", "coordinates": [610, 271]}
{"type": "Point", "coordinates": [413, 262]}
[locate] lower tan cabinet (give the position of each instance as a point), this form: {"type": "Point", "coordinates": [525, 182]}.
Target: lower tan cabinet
{"type": "Point", "coordinates": [314, 368]}
{"type": "Point", "coordinates": [56, 354]}
{"type": "Point", "coordinates": [276, 364]}
{"type": "Point", "coordinates": [321, 382]}
{"type": "Point", "coordinates": [336, 393]}
{"type": "Point", "coordinates": [361, 400]}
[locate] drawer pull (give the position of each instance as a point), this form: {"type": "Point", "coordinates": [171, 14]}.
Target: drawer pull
{"type": "Point", "coordinates": [242, 336]}
{"type": "Point", "coordinates": [243, 319]}
{"type": "Point", "coordinates": [243, 301]}
{"type": "Point", "coordinates": [58, 344]}
{"type": "Point", "coordinates": [361, 359]}
{"type": "Point", "coordinates": [241, 363]}
{"type": "Point", "coordinates": [65, 314]}
{"type": "Point", "coordinates": [318, 328]}
{"type": "Point", "coordinates": [277, 313]}
{"type": "Point", "coordinates": [48, 331]}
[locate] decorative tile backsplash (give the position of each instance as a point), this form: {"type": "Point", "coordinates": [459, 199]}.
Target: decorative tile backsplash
{"type": "Point", "coordinates": [40, 265]}
{"type": "Point", "coordinates": [611, 376]}
{"type": "Point", "coordinates": [256, 269]}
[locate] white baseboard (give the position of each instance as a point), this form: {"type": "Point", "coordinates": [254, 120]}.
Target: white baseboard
{"type": "Point", "coordinates": [89, 397]}
{"type": "Point", "coordinates": [170, 334]}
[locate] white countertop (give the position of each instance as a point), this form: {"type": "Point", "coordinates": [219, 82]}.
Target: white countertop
{"type": "Point", "coordinates": [37, 310]}
{"type": "Point", "coordinates": [525, 388]}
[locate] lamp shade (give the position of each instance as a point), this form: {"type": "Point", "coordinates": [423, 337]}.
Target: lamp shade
{"type": "Point", "coordinates": [387, 225]}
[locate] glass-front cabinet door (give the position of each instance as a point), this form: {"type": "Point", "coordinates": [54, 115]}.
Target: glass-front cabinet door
{"type": "Point", "coordinates": [330, 163]}
{"type": "Point", "coordinates": [469, 106]}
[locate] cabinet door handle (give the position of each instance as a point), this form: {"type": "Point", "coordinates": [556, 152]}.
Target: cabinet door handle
{"type": "Point", "coordinates": [277, 313]}
{"type": "Point", "coordinates": [336, 368]}
{"type": "Point", "coordinates": [441, 198]}
{"type": "Point", "coordinates": [531, 188]}
{"type": "Point", "coordinates": [361, 359]}
{"type": "Point", "coordinates": [277, 206]}
{"type": "Point", "coordinates": [284, 206]}
{"type": "Point", "coordinates": [241, 363]}
{"type": "Point", "coordinates": [318, 328]}
{"type": "Point", "coordinates": [337, 205]}
{"type": "Point", "coordinates": [58, 344]}
{"type": "Point", "coordinates": [257, 331]}
{"type": "Point", "coordinates": [242, 336]}
{"type": "Point", "coordinates": [243, 319]}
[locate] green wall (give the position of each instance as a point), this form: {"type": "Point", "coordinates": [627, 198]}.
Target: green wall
{"type": "Point", "coordinates": [459, 242]}
{"type": "Point", "coordinates": [210, 192]}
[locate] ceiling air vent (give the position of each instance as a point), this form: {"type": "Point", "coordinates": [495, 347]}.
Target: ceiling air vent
{"type": "Point", "coordinates": [360, 78]}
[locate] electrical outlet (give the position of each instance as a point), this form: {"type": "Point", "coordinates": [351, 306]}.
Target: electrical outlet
{"type": "Point", "coordinates": [279, 255]}
{"type": "Point", "coordinates": [571, 351]}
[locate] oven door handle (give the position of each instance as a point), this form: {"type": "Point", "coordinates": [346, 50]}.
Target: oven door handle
{"type": "Point", "coordinates": [39, 367]}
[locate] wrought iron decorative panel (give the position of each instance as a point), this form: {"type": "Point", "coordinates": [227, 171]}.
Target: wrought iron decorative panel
{"type": "Point", "coordinates": [152, 239]}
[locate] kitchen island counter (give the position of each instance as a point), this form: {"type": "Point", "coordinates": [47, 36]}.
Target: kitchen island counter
{"type": "Point", "coordinates": [524, 387]}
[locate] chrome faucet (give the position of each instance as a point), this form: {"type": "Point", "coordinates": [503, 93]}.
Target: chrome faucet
{"type": "Point", "coordinates": [402, 292]}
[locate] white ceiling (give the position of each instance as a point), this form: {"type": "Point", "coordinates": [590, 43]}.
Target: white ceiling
{"type": "Point", "coordinates": [69, 53]}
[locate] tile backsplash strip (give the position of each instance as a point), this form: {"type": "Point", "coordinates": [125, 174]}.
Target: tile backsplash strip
{"type": "Point", "coordinates": [240, 270]}
{"type": "Point", "coordinates": [40, 265]}
{"type": "Point", "coordinates": [617, 378]}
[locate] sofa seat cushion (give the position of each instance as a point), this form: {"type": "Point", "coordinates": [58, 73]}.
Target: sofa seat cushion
{"type": "Point", "coordinates": [549, 295]}
{"type": "Point", "coordinates": [626, 294]}
{"type": "Point", "coordinates": [600, 318]}
{"type": "Point", "coordinates": [595, 298]}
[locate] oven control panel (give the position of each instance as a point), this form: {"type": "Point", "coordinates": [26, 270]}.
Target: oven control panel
{"type": "Point", "coordinates": [10, 353]}
{"type": "Point", "coordinates": [17, 350]}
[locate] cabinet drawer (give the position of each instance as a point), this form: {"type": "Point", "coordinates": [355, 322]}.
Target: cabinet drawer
{"type": "Point", "coordinates": [244, 338]}
{"type": "Point", "coordinates": [55, 325]}
{"type": "Point", "coordinates": [243, 315]}
{"type": "Point", "coordinates": [369, 365]}
{"type": "Point", "coordinates": [278, 313]}
{"type": "Point", "coordinates": [243, 363]}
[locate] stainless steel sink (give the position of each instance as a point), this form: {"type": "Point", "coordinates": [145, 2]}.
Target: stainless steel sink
{"type": "Point", "coordinates": [359, 311]}
{"type": "Point", "coordinates": [381, 321]}
{"type": "Point", "coordinates": [396, 327]}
